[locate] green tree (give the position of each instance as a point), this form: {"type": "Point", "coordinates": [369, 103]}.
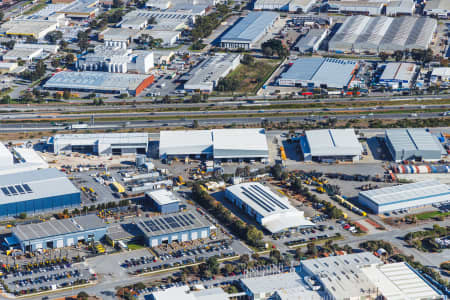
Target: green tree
{"type": "Point", "coordinates": [398, 55]}
{"type": "Point", "coordinates": [66, 94]}
{"type": "Point", "coordinates": [82, 295]}
{"type": "Point", "coordinates": [117, 4]}
{"type": "Point", "coordinates": [70, 59]}
{"type": "Point", "coordinates": [213, 265]}
{"type": "Point", "coordinates": [22, 215]}
{"type": "Point", "coordinates": [312, 249]}
{"type": "Point", "coordinates": [53, 36]}
{"type": "Point", "coordinates": [383, 56]}
{"type": "Point", "coordinates": [276, 47]}
{"type": "Point", "coordinates": [254, 236]}
{"type": "Point", "coordinates": [248, 59]}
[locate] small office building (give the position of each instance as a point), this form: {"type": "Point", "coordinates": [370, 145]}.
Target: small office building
{"type": "Point", "coordinates": [177, 227]}
{"type": "Point", "coordinates": [59, 233]}
{"type": "Point", "coordinates": [164, 201]}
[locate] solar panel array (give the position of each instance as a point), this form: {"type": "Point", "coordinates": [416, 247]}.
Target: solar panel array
{"type": "Point", "coordinates": [170, 222]}
{"type": "Point", "coordinates": [263, 198]}
{"type": "Point", "coordinates": [13, 190]}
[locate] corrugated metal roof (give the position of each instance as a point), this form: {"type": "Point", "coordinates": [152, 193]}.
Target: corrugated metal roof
{"type": "Point", "coordinates": [333, 142]}
{"type": "Point", "coordinates": [185, 142]}
{"type": "Point", "coordinates": [95, 80]}
{"type": "Point", "coordinates": [163, 196]}
{"type": "Point", "coordinates": [57, 227]}
{"type": "Point", "coordinates": [172, 223]}
{"type": "Point", "coordinates": [407, 192]}
{"type": "Point", "coordinates": [247, 142]}
{"type": "Point", "coordinates": [106, 138]}
{"type": "Point", "coordinates": [251, 27]}
{"type": "Point", "coordinates": [276, 212]}
{"type": "Point", "coordinates": [412, 139]}
{"type": "Point", "coordinates": [43, 183]}
{"type": "Point", "coordinates": [330, 71]}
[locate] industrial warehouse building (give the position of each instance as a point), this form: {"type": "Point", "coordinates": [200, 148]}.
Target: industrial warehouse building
{"type": "Point", "coordinates": [205, 76]}
{"type": "Point", "coordinates": [331, 145]}
{"type": "Point", "coordinates": [311, 41]}
{"type": "Point", "coordinates": [319, 72]}
{"type": "Point", "coordinates": [100, 143]}
{"type": "Point", "coordinates": [248, 30]}
{"type": "Point", "coordinates": [36, 192]}
{"type": "Point", "coordinates": [362, 34]}
{"type": "Point", "coordinates": [406, 196]}
{"type": "Point", "coordinates": [20, 159]}
{"type": "Point", "coordinates": [398, 75]}
{"type": "Point", "coordinates": [217, 144]}
{"type": "Point", "coordinates": [355, 7]}
{"type": "Point", "coordinates": [413, 144]}
{"type": "Point", "coordinates": [365, 276]}
{"type": "Point", "coordinates": [438, 8]}
{"type": "Point", "coordinates": [302, 6]}
{"type": "Point", "coordinates": [273, 212]}
{"type": "Point", "coordinates": [178, 227]}
{"type": "Point", "coordinates": [116, 59]}
{"type": "Point", "coordinates": [99, 82]}
{"type": "Point", "coordinates": [59, 233]}
{"type": "Point", "coordinates": [22, 28]}
{"type": "Point", "coordinates": [164, 201]}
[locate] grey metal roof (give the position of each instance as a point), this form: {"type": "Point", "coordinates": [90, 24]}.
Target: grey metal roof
{"type": "Point", "coordinates": [310, 39]}
{"type": "Point", "coordinates": [104, 138]}
{"type": "Point", "coordinates": [412, 139]}
{"type": "Point", "coordinates": [171, 223]}
{"type": "Point", "coordinates": [333, 142]}
{"type": "Point", "coordinates": [407, 192]}
{"type": "Point", "coordinates": [54, 228]}
{"type": "Point", "coordinates": [34, 185]}
{"type": "Point", "coordinates": [251, 27]}
{"type": "Point", "coordinates": [330, 71]}
{"type": "Point", "coordinates": [95, 81]}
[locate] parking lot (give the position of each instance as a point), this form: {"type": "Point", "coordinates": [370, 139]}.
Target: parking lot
{"type": "Point", "coordinates": [182, 257]}
{"type": "Point", "coordinates": [47, 278]}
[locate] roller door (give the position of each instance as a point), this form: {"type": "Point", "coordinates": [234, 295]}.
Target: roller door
{"type": "Point", "coordinates": [194, 235]}
{"type": "Point", "coordinates": [70, 242]}
{"type": "Point", "coordinates": [174, 237]}
{"type": "Point", "coordinates": [59, 243]}
{"type": "Point", "coordinates": [184, 237]}
{"type": "Point", "coordinates": [38, 246]}
{"type": "Point", "coordinates": [154, 243]}
{"type": "Point", "coordinates": [204, 234]}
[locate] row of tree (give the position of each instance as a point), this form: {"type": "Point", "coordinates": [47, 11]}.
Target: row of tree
{"type": "Point", "coordinates": [248, 233]}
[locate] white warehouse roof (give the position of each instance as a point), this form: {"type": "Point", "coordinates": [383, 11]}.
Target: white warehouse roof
{"type": "Point", "coordinates": [400, 281]}
{"type": "Point", "coordinates": [222, 143]}
{"type": "Point", "coordinates": [407, 192]}
{"type": "Point", "coordinates": [185, 142]}
{"type": "Point", "coordinates": [333, 142]}
{"type": "Point", "coordinates": [276, 212]}
{"type": "Point", "coordinates": [232, 143]}
{"type": "Point", "coordinates": [6, 157]}
{"type": "Point", "coordinates": [163, 197]}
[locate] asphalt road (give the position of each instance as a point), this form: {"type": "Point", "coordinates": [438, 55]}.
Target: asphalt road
{"type": "Point", "coordinates": [369, 109]}
{"type": "Point", "coordinates": [215, 101]}
{"type": "Point", "coordinates": [23, 127]}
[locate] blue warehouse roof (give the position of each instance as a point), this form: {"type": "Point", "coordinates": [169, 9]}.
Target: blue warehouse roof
{"type": "Point", "coordinates": [251, 27]}
{"type": "Point", "coordinates": [34, 185]}
{"type": "Point", "coordinates": [330, 71]}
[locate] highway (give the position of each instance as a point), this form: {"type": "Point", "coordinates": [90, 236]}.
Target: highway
{"type": "Point", "coordinates": [177, 121]}
{"type": "Point", "coordinates": [68, 105]}
{"type": "Point", "coordinates": [35, 116]}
